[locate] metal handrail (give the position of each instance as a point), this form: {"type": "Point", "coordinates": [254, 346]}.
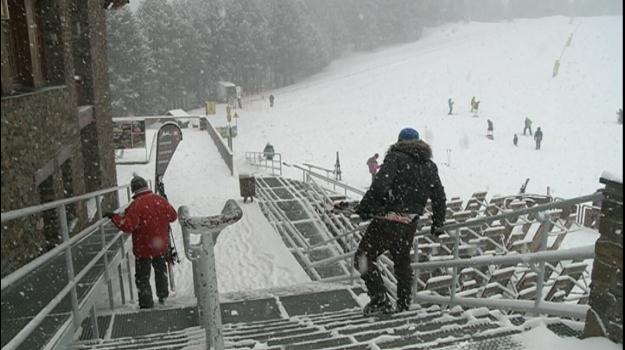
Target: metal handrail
{"type": "Point", "coordinates": [255, 159]}
{"type": "Point", "coordinates": [66, 248]}
{"type": "Point", "coordinates": [483, 220]}
{"type": "Point", "coordinates": [16, 214]}
{"type": "Point", "coordinates": [539, 258]}
{"type": "Point", "coordinates": [40, 260]}
{"type": "Point", "coordinates": [23, 334]}
{"type": "Point", "coordinates": [327, 171]}
{"type": "Point", "coordinates": [346, 187]}
{"type": "Point", "coordinates": [202, 256]}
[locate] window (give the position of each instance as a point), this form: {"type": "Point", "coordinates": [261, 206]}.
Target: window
{"type": "Point", "coordinates": [33, 45]}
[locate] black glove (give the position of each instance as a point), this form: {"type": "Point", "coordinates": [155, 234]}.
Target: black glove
{"type": "Point", "coordinates": [108, 215]}
{"type": "Point", "coordinates": [436, 231]}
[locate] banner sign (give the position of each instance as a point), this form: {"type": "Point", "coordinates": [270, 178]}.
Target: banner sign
{"type": "Point", "coordinates": [223, 131]}
{"type": "Point", "coordinates": [167, 140]}
{"type": "Point", "coordinates": [211, 108]}
{"type": "Point", "coordinates": [128, 133]}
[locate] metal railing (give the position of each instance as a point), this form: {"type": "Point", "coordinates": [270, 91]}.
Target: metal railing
{"type": "Point", "coordinates": [536, 260]}
{"type": "Point", "coordinates": [327, 171]}
{"type": "Point", "coordinates": [260, 159]}
{"type": "Point", "coordinates": [308, 174]}
{"type": "Point", "coordinates": [202, 256]}
{"type": "Point", "coordinates": [73, 277]}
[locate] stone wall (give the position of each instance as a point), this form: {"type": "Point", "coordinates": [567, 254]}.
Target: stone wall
{"type": "Point", "coordinates": [41, 130]}
{"type": "Point", "coordinates": [605, 318]}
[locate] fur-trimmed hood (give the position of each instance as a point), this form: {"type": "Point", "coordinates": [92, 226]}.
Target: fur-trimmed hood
{"type": "Point", "coordinates": [414, 148]}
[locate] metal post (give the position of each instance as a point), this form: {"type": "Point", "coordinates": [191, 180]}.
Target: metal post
{"type": "Point", "coordinates": [130, 289]}
{"type": "Point", "coordinates": [416, 271]}
{"type": "Point", "coordinates": [211, 311]}
{"type": "Point", "coordinates": [541, 272]}
{"type": "Point", "coordinates": [122, 289]}
{"type": "Point", "coordinates": [107, 275]}
{"type": "Point", "coordinates": [62, 216]}
{"type": "Point", "coordinates": [94, 323]}
{"type": "Point", "coordinates": [352, 270]}
{"type": "Point", "coordinates": [454, 280]}
{"type": "Point", "coordinates": [128, 194]}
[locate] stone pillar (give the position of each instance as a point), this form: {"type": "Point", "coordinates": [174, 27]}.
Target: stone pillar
{"type": "Point", "coordinates": [605, 318]}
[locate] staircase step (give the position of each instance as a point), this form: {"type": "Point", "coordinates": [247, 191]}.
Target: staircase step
{"type": "Point", "coordinates": [458, 333]}
{"type": "Point", "coordinates": [319, 335]}
{"type": "Point", "coordinates": [272, 335]}
{"type": "Point", "coordinates": [322, 344]}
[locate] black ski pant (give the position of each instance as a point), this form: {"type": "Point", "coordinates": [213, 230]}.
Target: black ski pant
{"type": "Point", "coordinates": [538, 144]}
{"type": "Point", "coordinates": [527, 127]}
{"type": "Point", "coordinates": [143, 269]}
{"type": "Point", "coordinates": [396, 238]}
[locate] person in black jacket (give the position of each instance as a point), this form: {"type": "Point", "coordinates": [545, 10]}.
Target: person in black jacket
{"type": "Point", "coordinates": [397, 197]}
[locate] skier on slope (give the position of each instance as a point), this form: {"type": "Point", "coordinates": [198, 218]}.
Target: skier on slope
{"type": "Point", "coordinates": [450, 104]}
{"type": "Point", "coordinates": [475, 104]}
{"type": "Point", "coordinates": [147, 218]}
{"type": "Point", "coordinates": [490, 130]}
{"type": "Point", "coordinates": [515, 140]}
{"type": "Point", "coordinates": [271, 100]}
{"type": "Point", "coordinates": [407, 179]}
{"type": "Point", "coordinates": [538, 137]}
{"type": "Point", "coordinates": [528, 126]}
{"type": "Point", "coordinates": [372, 164]}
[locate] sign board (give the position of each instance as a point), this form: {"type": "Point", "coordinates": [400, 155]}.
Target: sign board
{"type": "Point", "coordinates": [128, 134]}
{"type": "Point", "coordinates": [5, 10]}
{"type": "Point", "coordinates": [211, 108]}
{"type": "Point", "coordinates": [167, 140]}
{"type": "Point", "coordinates": [223, 131]}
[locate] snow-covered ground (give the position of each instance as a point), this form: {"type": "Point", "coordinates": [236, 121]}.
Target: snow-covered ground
{"type": "Point", "coordinates": [358, 105]}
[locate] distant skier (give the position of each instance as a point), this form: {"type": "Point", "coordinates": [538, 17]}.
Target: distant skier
{"type": "Point", "coordinates": [620, 116]}
{"type": "Point", "coordinates": [515, 140]}
{"type": "Point", "coordinates": [475, 104]}
{"type": "Point", "coordinates": [271, 100]}
{"type": "Point", "coordinates": [538, 137]}
{"type": "Point", "coordinates": [490, 130]}
{"type": "Point", "coordinates": [373, 165]}
{"type": "Point", "coordinates": [269, 152]}
{"type": "Point", "coordinates": [528, 126]}
{"type": "Point", "coordinates": [450, 103]}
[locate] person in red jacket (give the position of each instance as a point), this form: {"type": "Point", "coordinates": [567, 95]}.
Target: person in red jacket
{"type": "Point", "coordinates": [147, 218]}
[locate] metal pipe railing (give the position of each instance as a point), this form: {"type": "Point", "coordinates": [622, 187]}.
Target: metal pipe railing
{"type": "Point", "coordinates": [344, 186]}
{"type": "Point", "coordinates": [23, 334]}
{"type": "Point", "coordinates": [65, 248]}
{"type": "Point", "coordinates": [15, 214]}
{"type": "Point", "coordinates": [260, 159]}
{"type": "Point", "coordinates": [202, 257]}
{"type": "Point", "coordinates": [539, 258]}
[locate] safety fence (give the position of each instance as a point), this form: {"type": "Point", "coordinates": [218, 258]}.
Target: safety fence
{"type": "Point", "coordinates": [533, 265]}
{"type": "Point", "coordinates": [271, 162]}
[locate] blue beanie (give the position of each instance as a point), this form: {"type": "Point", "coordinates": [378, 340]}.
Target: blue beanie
{"type": "Point", "coordinates": [408, 134]}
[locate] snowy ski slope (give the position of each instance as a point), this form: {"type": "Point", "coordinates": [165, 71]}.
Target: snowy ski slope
{"type": "Point", "coordinates": [358, 105]}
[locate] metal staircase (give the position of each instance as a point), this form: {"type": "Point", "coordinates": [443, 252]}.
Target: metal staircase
{"type": "Point", "coordinates": [339, 325]}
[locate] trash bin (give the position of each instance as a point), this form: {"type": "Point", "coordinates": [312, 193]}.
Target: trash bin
{"type": "Point", "coordinates": [247, 185]}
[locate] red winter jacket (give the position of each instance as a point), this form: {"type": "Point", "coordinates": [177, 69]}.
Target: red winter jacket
{"type": "Point", "coordinates": [147, 218]}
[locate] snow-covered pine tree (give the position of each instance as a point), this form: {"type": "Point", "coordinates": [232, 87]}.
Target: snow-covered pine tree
{"type": "Point", "coordinates": [129, 65]}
